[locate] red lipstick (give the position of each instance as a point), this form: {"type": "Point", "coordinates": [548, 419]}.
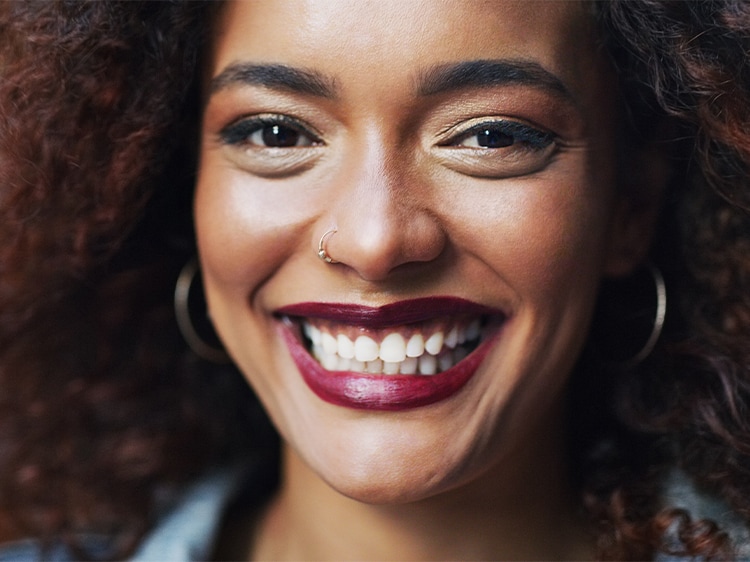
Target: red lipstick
{"type": "Point", "coordinates": [379, 391]}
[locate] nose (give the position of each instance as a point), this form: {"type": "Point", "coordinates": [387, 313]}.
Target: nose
{"type": "Point", "coordinates": [383, 220]}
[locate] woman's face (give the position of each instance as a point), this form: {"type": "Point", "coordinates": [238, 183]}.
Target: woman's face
{"type": "Point", "coordinates": [464, 153]}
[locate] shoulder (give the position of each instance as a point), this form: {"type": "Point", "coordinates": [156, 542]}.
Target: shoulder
{"type": "Point", "coordinates": [679, 492]}
{"type": "Point", "coordinates": [185, 531]}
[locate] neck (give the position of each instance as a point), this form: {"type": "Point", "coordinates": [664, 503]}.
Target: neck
{"type": "Point", "coordinates": [520, 509]}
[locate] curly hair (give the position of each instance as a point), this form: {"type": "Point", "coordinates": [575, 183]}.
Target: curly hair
{"type": "Point", "coordinates": [686, 62]}
{"type": "Point", "coordinates": [102, 402]}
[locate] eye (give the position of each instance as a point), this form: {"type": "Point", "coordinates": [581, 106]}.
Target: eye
{"type": "Point", "coordinates": [502, 134]}
{"type": "Point", "coordinates": [269, 131]}
{"type": "Point", "coordinates": [496, 148]}
{"type": "Point", "coordinates": [271, 145]}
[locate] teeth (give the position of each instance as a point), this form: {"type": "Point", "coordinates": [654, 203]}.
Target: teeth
{"type": "Point", "coordinates": [409, 366]}
{"type": "Point", "coordinates": [346, 347]}
{"type": "Point", "coordinates": [390, 368]}
{"type": "Point", "coordinates": [375, 367]}
{"type": "Point", "coordinates": [427, 365]}
{"type": "Point", "coordinates": [366, 349]}
{"type": "Point", "coordinates": [313, 333]}
{"type": "Point", "coordinates": [329, 343]}
{"type": "Point", "coordinates": [461, 336]}
{"type": "Point", "coordinates": [393, 349]}
{"type": "Point", "coordinates": [452, 338]}
{"type": "Point", "coordinates": [434, 343]}
{"type": "Point", "coordinates": [415, 346]}
{"type": "Point", "coordinates": [394, 355]}
{"type": "Point", "coordinates": [329, 361]}
{"type": "Point", "coordinates": [445, 361]}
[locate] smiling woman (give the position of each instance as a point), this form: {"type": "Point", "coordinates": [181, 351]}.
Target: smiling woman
{"type": "Point", "coordinates": [421, 242]}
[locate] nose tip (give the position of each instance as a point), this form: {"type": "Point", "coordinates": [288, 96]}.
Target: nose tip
{"type": "Point", "coordinates": [375, 245]}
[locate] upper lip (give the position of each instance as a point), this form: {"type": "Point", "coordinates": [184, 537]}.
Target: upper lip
{"type": "Point", "coordinates": [392, 314]}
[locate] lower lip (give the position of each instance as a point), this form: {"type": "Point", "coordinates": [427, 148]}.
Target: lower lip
{"type": "Point", "coordinates": [382, 392]}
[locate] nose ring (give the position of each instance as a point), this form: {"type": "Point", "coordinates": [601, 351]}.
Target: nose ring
{"type": "Point", "coordinates": [322, 252]}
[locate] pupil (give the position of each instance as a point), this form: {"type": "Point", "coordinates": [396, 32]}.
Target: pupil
{"type": "Point", "coordinates": [279, 136]}
{"type": "Point", "coordinates": [493, 139]}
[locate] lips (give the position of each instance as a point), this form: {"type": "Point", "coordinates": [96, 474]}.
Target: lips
{"type": "Point", "coordinates": [399, 356]}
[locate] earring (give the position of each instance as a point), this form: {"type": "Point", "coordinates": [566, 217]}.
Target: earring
{"type": "Point", "coordinates": [627, 308]}
{"type": "Point", "coordinates": [322, 252]}
{"type": "Point", "coordinates": [187, 295]}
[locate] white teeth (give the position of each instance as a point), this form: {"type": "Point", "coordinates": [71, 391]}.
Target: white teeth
{"type": "Point", "coordinates": [409, 366]}
{"type": "Point", "coordinates": [452, 338]}
{"type": "Point", "coordinates": [375, 366]}
{"type": "Point", "coordinates": [415, 346]}
{"type": "Point", "coordinates": [330, 346]}
{"type": "Point", "coordinates": [330, 361]}
{"type": "Point", "coordinates": [427, 365]}
{"type": "Point", "coordinates": [346, 347]}
{"type": "Point", "coordinates": [394, 355]}
{"type": "Point", "coordinates": [434, 343]}
{"type": "Point", "coordinates": [390, 368]}
{"type": "Point", "coordinates": [366, 349]}
{"type": "Point", "coordinates": [393, 349]}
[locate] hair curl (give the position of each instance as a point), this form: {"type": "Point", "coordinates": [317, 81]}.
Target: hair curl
{"type": "Point", "coordinates": [686, 63]}
{"type": "Point", "coordinates": [100, 400]}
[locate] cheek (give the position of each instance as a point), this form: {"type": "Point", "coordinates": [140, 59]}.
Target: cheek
{"type": "Point", "coordinates": [245, 227]}
{"type": "Point", "coordinates": [543, 238]}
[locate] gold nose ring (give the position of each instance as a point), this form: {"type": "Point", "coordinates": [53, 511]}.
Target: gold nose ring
{"type": "Point", "coordinates": [322, 252]}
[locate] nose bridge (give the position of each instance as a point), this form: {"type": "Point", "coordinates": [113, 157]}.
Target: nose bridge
{"type": "Point", "coordinates": [381, 219]}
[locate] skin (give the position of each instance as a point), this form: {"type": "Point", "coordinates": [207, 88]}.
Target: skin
{"type": "Point", "coordinates": [482, 473]}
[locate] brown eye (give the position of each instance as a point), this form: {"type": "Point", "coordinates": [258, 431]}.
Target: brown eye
{"type": "Point", "coordinates": [488, 138]}
{"type": "Point", "coordinates": [497, 147]}
{"type": "Point", "coordinates": [278, 136]}
{"type": "Point", "coordinates": [502, 134]}
{"type": "Point", "coordinates": [268, 132]}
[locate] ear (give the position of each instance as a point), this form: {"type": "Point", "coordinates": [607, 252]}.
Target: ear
{"type": "Point", "coordinates": [645, 173]}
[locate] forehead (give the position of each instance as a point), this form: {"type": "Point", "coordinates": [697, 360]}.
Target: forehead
{"type": "Point", "coordinates": [363, 44]}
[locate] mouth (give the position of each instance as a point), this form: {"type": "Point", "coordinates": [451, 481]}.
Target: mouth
{"type": "Point", "coordinates": [399, 356]}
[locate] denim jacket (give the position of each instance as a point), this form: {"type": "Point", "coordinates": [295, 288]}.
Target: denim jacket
{"type": "Point", "coordinates": [187, 530]}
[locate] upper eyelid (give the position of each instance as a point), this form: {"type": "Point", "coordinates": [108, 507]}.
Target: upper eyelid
{"type": "Point", "coordinates": [465, 125]}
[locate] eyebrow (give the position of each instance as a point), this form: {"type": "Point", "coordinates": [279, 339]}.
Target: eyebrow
{"type": "Point", "coordinates": [488, 73]}
{"type": "Point", "coordinates": [276, 76]}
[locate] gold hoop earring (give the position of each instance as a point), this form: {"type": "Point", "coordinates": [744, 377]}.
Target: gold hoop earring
{"type": "Point", "coordinates": [626, 309]}
{"type": "Point", "coordinates": [659, 317]}
{"type": "Point", "coordinates": [322, 252]}
{"type": "Point", "coordinates": [184, 293]}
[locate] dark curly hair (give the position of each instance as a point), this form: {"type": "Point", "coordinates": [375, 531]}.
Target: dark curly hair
{"type": "Point", "coordinates": [101, 401]}
{"type": "Point", "coordinates": [685, 63]}
{"type": "Point", "coordinates": [101, 405]}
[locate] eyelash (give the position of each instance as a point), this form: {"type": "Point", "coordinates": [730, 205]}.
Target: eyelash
{"type": "Point", "coordinates": [515, 131]}
{"type": "Point", "coordinates": [240, 132]}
